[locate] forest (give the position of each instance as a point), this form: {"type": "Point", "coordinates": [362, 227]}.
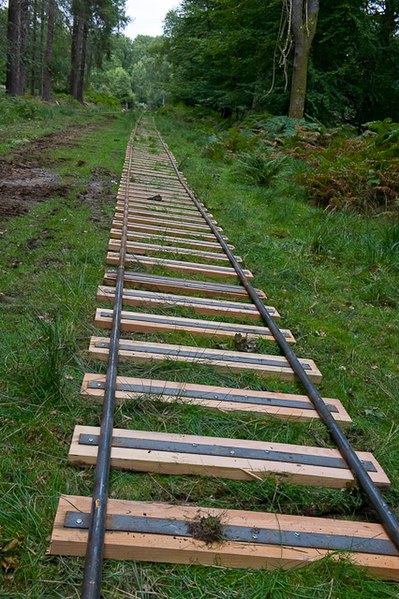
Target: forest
{"type": "Point", "coordinates": [334, 62]}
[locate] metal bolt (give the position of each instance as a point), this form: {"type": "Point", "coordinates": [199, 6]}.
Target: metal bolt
{"type": "Point", "coordinates": [297, 534]}
{"type": "Point", "coordinates": [79, 520]}
{"type": "Point", "coordinates": [232, 452]}
{"type": "Point", "coordinates": [255, 536]}
{"type": "Point", "coordinates": [194, 445]}
{"type": "Point", "coordinates": [91, 439]}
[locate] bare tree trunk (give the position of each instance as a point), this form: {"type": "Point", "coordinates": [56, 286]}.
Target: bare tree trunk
{"type": "Point", "coordinates": [23, 45]}
{"type": "Point", "coordinates": [304, 23]}
{"type": "Point", "coordinates": [33, 51]}
{"type": "Point", "coordinates": [17, 38]}
{"type": "Point", "coordinates": [72, 74]}
{"type": "Point", "coordinates": [47, 72]}
{"type": "Point", "coordinates": [76, 53]}
{"type": "Point", "coordinates": [82, 65]}
{"type": "Point", "coordinates": [13, 47]}
{"type": "Point", "coordinates": [41, 48]}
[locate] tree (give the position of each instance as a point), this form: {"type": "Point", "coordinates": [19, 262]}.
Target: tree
{"type": "Point", "coordinates": [3, 43]}
{"type": "Point", "coordinates": [304, 14]}
{"type": "Point", "coordinates": [47, 63]}
{"type": "Point", "coordinates": [93, 20]}
{"type": "Point", "coordinates": [222, 52]}
{"type": "Point", "coordinates": [80, 11]}
{"type": "Point", "coordinates": [119, 85]}
{"type": "Point", "coordinates": [17, 40]}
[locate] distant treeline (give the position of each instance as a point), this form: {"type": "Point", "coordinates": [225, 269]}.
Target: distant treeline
{"type": "Point", "coordinates": [76, 47]}
{"type": "Point", "coordinates": [335, 61]}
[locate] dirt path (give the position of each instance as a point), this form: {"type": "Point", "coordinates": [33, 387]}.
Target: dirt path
{"type": "Point", "coordinates": [25, 178]}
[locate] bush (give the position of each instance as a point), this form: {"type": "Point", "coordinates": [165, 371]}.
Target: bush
{"type": "Point", "coordinates": [102, 99]}
{"type": "Point", "coordinates": [260, 168]}
{"type": "Point", "coordinates": [214, 148]}
{"type": "Point", "coordinates": [14, 109]}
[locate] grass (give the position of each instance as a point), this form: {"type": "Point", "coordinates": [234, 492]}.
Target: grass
{"type": "Point", "coordinates": [331, 276]}
{"type": "Point", "coordinates": [25, 119]}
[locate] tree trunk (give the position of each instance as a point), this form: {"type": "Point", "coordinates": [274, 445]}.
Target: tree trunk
{"type": "Point", "coordinates": [33, 51]}
{"type": "Point", "coordinates": [76, 53]}
{"type": "Point", "coordinates": [304, 23]}
{"type": "Point", "coordinates": [47, 71]}
{"type": "Point", "coordinates": [81, 10]}
{"type": "Point", "coordinates": [13, 47]}
{"type": "Point", "coordinates": [17, 38]}
{"type": "Point", "coordinates": [41, 48]}
{"type": "Point", "coordinates": [23, 45]}
{"type": "Point", "coordinates": [82, 65]}
{"type": "Point", "coordinates": [299, 81]}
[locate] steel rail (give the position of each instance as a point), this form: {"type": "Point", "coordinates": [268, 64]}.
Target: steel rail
{"type": "Point", "coordinates": [382, 509]}
{"type": "Point", "coordinates": [92, 576]}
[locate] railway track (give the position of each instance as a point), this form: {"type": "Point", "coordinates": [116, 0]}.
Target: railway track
{"type": "Point", "coordinates": [171, 253]}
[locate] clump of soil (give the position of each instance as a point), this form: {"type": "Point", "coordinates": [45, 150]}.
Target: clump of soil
{"type": "Point", "coordinates": [207, 528]}
{"type": "Point", "coordinates": [245, 343]}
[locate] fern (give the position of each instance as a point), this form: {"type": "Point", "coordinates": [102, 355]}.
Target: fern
{"type": "Point", "coordinates": [259, 168]}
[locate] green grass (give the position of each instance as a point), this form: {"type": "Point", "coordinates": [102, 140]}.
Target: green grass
{"type": "Point", "coordinates": [25, 119]}
{"type": "Point", "coordinates": [332, 277]}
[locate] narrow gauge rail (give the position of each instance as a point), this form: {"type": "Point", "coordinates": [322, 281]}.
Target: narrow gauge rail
{"type": "Point", "coordinates": [157, 214]}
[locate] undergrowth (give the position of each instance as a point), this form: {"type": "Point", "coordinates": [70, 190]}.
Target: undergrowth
{"type": "Point", "coordinates": [339, 169]}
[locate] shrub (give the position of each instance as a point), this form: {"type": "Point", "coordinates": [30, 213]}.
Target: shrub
{"type": "Point", "coordinates": [260, 168]}
{"type": "Point", "coordinates": [102, 99]}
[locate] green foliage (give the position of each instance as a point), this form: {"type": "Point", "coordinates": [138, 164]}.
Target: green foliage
{"type": "Point", "coordinates": [354, 76]}
{"type": "Point", "coordinates": [221, 53]}
{"type": "Point", "coordinates": [260, 168]}
{"type": "Point", "coordinates": [358, 174]}
{"type": "Point", "coordinates": [103, 99]}
{"type": "Point", "coordinates": [136, 71]}
{"type": "Point", "coordinates": [119, 85]}
{"type": "Point", "coordinates": [15, 109]}
{"type": "Point", "coordinates": [225, 55]}
{"type": "Point", "coordinates": [214, 148]}
{"type": "Point", "coordinates": [386, 142]}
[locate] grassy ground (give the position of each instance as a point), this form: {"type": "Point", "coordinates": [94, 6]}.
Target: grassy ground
{"type": "Point", "coordinates": [24, 119]}
{"type": "Point", "coordinates": [330, 276]}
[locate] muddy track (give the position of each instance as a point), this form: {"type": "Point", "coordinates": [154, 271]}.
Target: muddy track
{"type": "Point", "coordinates": [26, 175]}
